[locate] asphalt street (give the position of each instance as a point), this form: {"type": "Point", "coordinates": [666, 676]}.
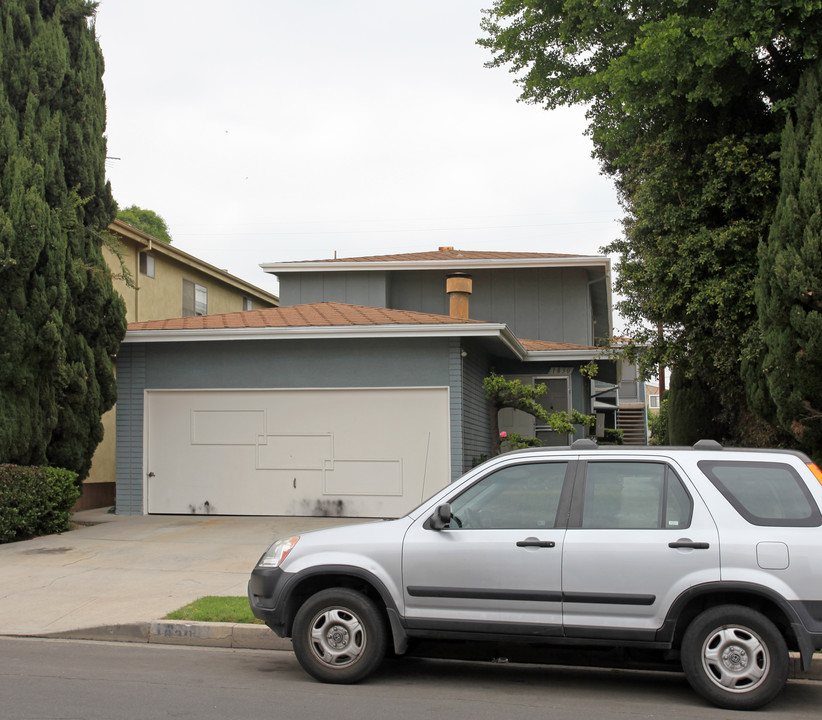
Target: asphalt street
{"type": "Point", "coordinates": [69, 680]}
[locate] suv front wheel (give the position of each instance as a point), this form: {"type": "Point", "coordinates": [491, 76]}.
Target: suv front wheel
{"type": "Point", "coordinates": [735, 657]}
{"type": "Point", "coordinates": [339, 636]}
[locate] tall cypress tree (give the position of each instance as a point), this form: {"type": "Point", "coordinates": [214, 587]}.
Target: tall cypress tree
{"type": "Point", "coordinates": [789, 285]}
{"type": "Point", "coordinates": [60, 319]}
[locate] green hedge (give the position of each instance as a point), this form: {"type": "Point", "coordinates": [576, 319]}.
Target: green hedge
{"type": "Point", "coordinates": [35, 501]}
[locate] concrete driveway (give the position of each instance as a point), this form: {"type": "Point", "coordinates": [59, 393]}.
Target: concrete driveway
{"type": "Point", "coordinates": [124, 570]}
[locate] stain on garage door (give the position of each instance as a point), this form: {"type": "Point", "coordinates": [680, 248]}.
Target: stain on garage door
{"type": "Point", "coordinates": [347, 452]}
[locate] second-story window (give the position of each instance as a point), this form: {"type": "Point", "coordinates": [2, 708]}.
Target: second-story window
{"type": "Point", "coordinates": [146, 264]}
{"type": "Point", "coordinates": [248, 304]}
{"type": "Point", "coordinates": [195, 299]}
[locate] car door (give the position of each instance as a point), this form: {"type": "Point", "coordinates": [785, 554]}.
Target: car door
{"type": "Point", "coordinates": [639, 535]}
{"type": "Point", "coordinates": [497, 566]}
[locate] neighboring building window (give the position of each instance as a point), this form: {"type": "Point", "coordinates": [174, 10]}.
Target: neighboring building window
{"type": "Point", "coordinates": [195, 299]}
{"type": "Point", "coordinates": [653, 402]}
{"type": "Point", "coordinates": [146, 264]}
{"type": "Point", "coordinates": [247, 303]}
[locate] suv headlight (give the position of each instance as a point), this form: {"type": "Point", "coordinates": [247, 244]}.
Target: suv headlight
{"type": "Point", "coordinates": [278, 552]}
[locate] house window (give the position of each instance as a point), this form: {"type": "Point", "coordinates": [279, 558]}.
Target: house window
{"type": "Point", "coordinates": [247, 303]}
{"type": "Point", "coordinates": [195, 299]}
{"type": "Point", "coordinates": [146, 264]}
{"type": "Point", "coordinates": [653, 402]}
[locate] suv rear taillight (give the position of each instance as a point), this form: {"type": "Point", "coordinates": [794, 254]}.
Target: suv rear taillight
{"type": "Point", "coordinates": [816, 471]}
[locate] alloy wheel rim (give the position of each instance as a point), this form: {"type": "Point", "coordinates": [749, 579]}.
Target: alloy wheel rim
{"type": "Point", "coordinates": [735, 659]}
{"type": "Point", "coordinates": [337, 637]}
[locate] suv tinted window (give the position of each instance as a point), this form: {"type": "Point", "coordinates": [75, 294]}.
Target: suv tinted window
{"type": "Point", "coordinates": [515, 497]}
{"type": "Point", "coordinates": [764, 493]}
{"type": "Point", "coordinates": [637, 495]}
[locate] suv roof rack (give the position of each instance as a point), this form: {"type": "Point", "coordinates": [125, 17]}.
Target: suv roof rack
{"type": "Point", "coordinates": [707, 445]}
{"type": "Point", "coordinates": [584, 444]}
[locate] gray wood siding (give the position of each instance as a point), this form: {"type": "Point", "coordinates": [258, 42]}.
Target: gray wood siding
{"type": "Point", "coordinates": [476, 419]}
{"type": "Point", "coordinates": [354, 288]}
{"type": "Point", "coordinates": [536, 303]}
{"type": "Point", "coordinates": [457, 385]}
{"type": "Point", "coordinates": [470, 423]}
{"type": "Point", "coordinates": [131, 383]}
{"type": "Point", "coordinates": [297, 363]}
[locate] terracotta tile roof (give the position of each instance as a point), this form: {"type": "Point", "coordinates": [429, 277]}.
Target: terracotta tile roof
{"type": "Point", "coordinates": [538, 345]}
{"type": "Point", "coordinates": [443, 254]}
{"type": "Point", "coordinates": [326, 314]}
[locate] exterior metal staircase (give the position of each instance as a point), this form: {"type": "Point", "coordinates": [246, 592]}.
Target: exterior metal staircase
{"type": "Point", "coordinates": [632, 422]}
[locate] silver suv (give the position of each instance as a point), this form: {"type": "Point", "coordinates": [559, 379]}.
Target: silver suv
{"type": "Point", "coordinates": [704, 558]}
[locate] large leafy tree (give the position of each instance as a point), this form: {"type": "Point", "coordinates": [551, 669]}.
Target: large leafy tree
{"type": "Point", "coordinates": [789, 285]}
{"type": "Point", "coordinates": [60, 319]}
{"type": "Point", "coordinates": [146, 220]}
{"type": "Point", "coordinates": [685, 101]}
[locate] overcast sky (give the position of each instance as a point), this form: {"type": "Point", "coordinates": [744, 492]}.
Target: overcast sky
{"type": "Point", "coordinates": [270, 130]}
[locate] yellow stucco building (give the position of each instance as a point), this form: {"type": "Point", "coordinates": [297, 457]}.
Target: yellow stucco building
{"type": "Point", "coordinates": [165, 283]}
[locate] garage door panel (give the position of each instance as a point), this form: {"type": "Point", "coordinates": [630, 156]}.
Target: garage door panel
{"type": "Point", "coordinates": [226, 427]}
{"type": "Point", "coordinates": [353, 453]}
{"type": "Point", "coordinates": [363, 477]}
{"type": "Point", "coordinates": [293, 451]}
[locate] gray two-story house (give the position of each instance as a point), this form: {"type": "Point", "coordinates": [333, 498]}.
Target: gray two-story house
{"type": "Point", "coordinates": [362, 393]}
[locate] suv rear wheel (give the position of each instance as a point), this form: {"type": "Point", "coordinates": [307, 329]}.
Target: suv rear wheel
{"type": "Point", "coordinates": [735, 657]}
{"type": "Point", "coordinates": [339, 636]}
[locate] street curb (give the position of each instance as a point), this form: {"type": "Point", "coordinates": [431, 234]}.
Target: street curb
{"type": "Point", "coordinates": [248, 636]}
{"type": "Point", "coordinates": [795, 671]}
{"type": "Point", "coordinates": [233, 635]}
{"type": "Point", "coordinates": [244, 636]}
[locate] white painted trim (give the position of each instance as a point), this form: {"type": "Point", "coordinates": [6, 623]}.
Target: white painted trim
{"type": "Point", "coordinates": [332, 332]}
{"type": "Point", "coordinates": [146, 453]}
{"type": "Point", "coordinates": [499, 330]}
{"type": "Point", "coordinates": [449, 264]}
{"type": "Point", "coordinates": [570, 355]}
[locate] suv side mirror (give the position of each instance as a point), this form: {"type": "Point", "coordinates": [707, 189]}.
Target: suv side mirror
{"type": "Point", "coordinates": [441, 517]}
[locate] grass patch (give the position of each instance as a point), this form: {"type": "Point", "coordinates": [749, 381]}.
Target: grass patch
{"type": "Point", "coordinates": [212, 608]}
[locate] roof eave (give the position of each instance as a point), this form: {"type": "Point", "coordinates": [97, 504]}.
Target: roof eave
{"type": "Point", "coordinates": [567, 355]}
{"type": "Point", "coordinates": [324, 332]}
{"type": "Point", "coordinates": [149, 242]}
{"type": "Point", "coordinates": [449, 264]}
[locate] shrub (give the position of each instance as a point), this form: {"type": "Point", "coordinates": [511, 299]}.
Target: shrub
{"type": "Point", "coordinates": [612, 436]}
{"type": "Point", "coordinates": [515, 441]}
{"type": "Point", "coordinates": [658, 424]}
{"type": "Point", "coordinates": [35, 501]}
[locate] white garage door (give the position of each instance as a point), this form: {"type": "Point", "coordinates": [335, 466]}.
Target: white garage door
{"type": "Point", "coordinates": [352, 453]}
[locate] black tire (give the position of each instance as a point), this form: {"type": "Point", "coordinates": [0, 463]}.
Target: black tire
{"type": "Point", "coordinates": [339, 636]}
{"type": "Point", "coordinates": [735, 657]}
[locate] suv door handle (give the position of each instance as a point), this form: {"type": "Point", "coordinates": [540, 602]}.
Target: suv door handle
{"type": "Point", "coordinates": [533, 542]}
{"type": "Point", "coordinates": [686, 543]}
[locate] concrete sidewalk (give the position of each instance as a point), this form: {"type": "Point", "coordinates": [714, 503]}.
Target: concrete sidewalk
{"type": "Point", "coordinates": [114, 577]}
